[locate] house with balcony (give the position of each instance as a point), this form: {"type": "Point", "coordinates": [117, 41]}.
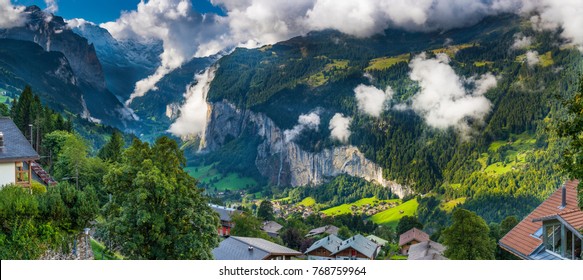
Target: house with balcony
{"type": "Point", "coordinates": [553, 231]}
{"type": "Point", "coordinates": [331, 247]}
{"type": "Point", "coordinates": [16, 155]}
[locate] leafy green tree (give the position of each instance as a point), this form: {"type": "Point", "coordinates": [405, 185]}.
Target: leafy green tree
{"type": "Point", "coordinates": [508, 224]}
{"type": "Point", "coordinates": [572, 129]}
{"type": "Point", "coordinates": [248, 226]}
{"type": "Point", "coordinates": [4, 110]}
{"type": "Point", "coordinates": [468, 238]}
{"type": "Point", "coordinates": [156, 211]}
{"type": "Point", "coordinates": [265, 211]}
{"type": "Point", "coordinates": [292, 238]}
{"type": "Point", "coordinates": [344, 232]}
{"type": "Point", "coordinates": [406, 223]}
{"type": "Point", "coordinates": [113, 149]}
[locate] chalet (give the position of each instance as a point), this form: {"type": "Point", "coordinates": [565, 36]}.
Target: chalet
{"type": "Point", "coordinates": [248, 248]}
{"type": "Point", "coordinates": [411, 237]}
{"type": "Point", "coordinates": [331, 247]}
{"type": "Point", "coordinates": [225, 214]}
{"type": "Point", "coordinates": [357, 247]}
{"type": "Point", "coordinates": [16, 155]}
{"type": "Point", "coordinates": [329, 229]}
{"type": "Point", "coordinates": [553, 231]}
{"type": "Point", "coordinates": [271, 228]}
{"type": "Point", "coordinates": [426, 250]}
{"type": "Point", "coordinates": [324, 248]}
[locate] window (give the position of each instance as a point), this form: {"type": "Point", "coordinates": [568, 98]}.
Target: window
{"type": "Point", "coordinates": [538, 234]}
{"type": "Point", "coordinates": [553, 240]}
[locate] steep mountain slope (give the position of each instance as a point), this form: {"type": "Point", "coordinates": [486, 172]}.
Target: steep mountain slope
{"type": "Point", "coordinates": [272, 88]}
{"type": "Point", "coordinates": [124, 62]}
{"type": "Point", "coordinates": [49, 73]}
{"type": "Point", "coordinates": [52, 33]}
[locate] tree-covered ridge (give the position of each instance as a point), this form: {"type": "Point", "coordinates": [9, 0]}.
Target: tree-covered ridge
{"type": "Point", "coordinates": [510, 156]}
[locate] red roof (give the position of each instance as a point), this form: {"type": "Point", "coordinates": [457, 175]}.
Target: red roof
{"type": "Point", "coordinates": [521, 240]}
{"type": "Point", "coordinates": [413, 234]}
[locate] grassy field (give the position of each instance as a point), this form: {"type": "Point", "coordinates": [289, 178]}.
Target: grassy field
{"type": "Point", "coordinates": [392, 216]}
{"type": "Point", "coordinates": [323, 76]}
{"type": "Point", "coordinates": [308, 202]}
{"type": "Point", "coordinates": [483, 63]}
{"type": "Point", "coordinates": [514, 156]}
{"type": "Point", "coordinates": [452, 50]}
{"type": "Point", "coordinates": [447, 206]}
{"type": "Point", "coordinates": [99, 252]}
{"type": "Point", "coordinates": [386, 62]}
{"type": "Point", "coordinates": [346, 208]}
{"type": "Point", "coordinates": [212, 177]}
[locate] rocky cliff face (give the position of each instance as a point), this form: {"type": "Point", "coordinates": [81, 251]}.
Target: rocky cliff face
{"type": "Point", "coordinates": [285, 163]}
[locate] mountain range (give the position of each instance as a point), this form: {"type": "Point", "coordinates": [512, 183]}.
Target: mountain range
{"type": "Point", "coordinates": [305, 110]}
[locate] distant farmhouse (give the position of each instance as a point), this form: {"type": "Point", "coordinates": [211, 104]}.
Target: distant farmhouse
{"type": "Point", "coordinates": [225, 214]}
{"type": "Point", "coordinates": [553, 231]}
{"type": "Point", "coordinates": [329, 229]}
{"type": "Point", "coordinates": [16, 155]}
{"type": "Point", "coordinates": [331, 247]}
{"type": "Point", "coordinates": [248, 248]}
{"type": "Point", "coordinates": [411, 237]}
{"type": "Point", "coordinates": [426, 250]}
{"type": "Point", "coordinates": [271, 228]}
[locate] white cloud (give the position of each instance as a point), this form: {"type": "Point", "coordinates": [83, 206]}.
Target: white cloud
{"type": "Point", "coordinates": [532, 58]}
{"type": "Point", "coordinates": [552, 14]}
{"type": "Point", "coordinates": [184, 33]}
{"type": "Point", "coordinates": [340, 127]}
{"type": "Point", "coordinates": [307, 121]}
{"type": "Point", "coordinates": [371, 100]}
{"type": "Point", "coordinates": [193, 114]}
{"type": "Point", "coordinates": [485, 83]}
{"type": "Point", "coordinates": [443, 100]}
{"type": "Point", "coordinates": [11, 16]}
{"type": "Point", "coordinates": [51, 6]}
{"type": "Point", "coordinates": [521, 42]}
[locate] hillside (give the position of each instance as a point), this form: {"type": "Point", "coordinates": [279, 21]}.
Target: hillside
{"type": "Point", "coordinates": [505, 153]}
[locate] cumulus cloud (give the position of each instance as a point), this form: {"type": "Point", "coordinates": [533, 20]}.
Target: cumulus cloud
{"type": "Point", "coordinates": [371, 100]}
{"type": "Point", "coordinates": [521, 42]}
{"type": "Point", "coordinates": [566, 15]}
{"type": "Point", "coordinates": [340, 127]}
{"type": "Point", "coordinates": [484, 83]}
{"type": "Point", "coordinates": [193, 114]}
{"type": "Point", "coordinates": [184, 33]}
{"type": "Point", "coordinates": [532, 58]}
{"type": "Point", "coordinates": [11, 16]}
{"type": "Point", "coordinates": [307, 121]}
{"type": "Point", "coordinates": [51, 6]}
{"type": "Point", "coordinates": [443, 100]}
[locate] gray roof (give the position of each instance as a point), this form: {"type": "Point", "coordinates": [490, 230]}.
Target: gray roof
{"type": "Point", "coordinates": [16, 147]}
{"type": "Point", "coordinates": [377, 240]}
{"type": "Point", "coordinates": [249, 248]}
{"type": "Point", "coordinates": [426, 250]}
{"type": "Point", "coordinates": [360, 244]}
{"type": "Point", "coordinates": [330, 243]}
{"type": "Point", "coordinates": [329, 229]}
{"type": "Point", "coordinates": [225, 213]}
{"type": "Point", "coordinates": [271, 227]}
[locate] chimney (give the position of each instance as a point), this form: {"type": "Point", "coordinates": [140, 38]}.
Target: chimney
{"type": "Point", "coordinates": [1, 141]}
{"type": "Point", "coordinates": [564, 199]}
{"type": "Point", "coordinates": [250, 248]}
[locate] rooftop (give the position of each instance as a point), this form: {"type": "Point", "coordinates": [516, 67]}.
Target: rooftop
{"type": "Point", "coordinates": [329, 229]}
{"type": "Point", "coordinates": [413, 234]}
{"type": "Point", "coordinates": [377, 240]}
{"type": "Point", "coordinates": [360, 244]}
{"type": "Point", "coordinates": [249, 248]}
{"type": "Point", "coordinates": [427, 250]}
{"type": "Point", "coordinates": [521, 240]}
{"type": "Point", "coordinates": [224, 212]}
{"type": "Point", "coordinates": [271, 227]}
{"type": "Point", "coordinates": [16, 147]}
{"type": "Point", "coordinates": [330, 243]}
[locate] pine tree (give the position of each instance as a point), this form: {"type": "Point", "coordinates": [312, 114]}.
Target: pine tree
{"type": "Point", "coordinates": [113, 149]}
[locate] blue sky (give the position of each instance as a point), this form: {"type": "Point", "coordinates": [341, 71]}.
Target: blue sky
{"type": "Point", "coordinates": [100, 11]}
